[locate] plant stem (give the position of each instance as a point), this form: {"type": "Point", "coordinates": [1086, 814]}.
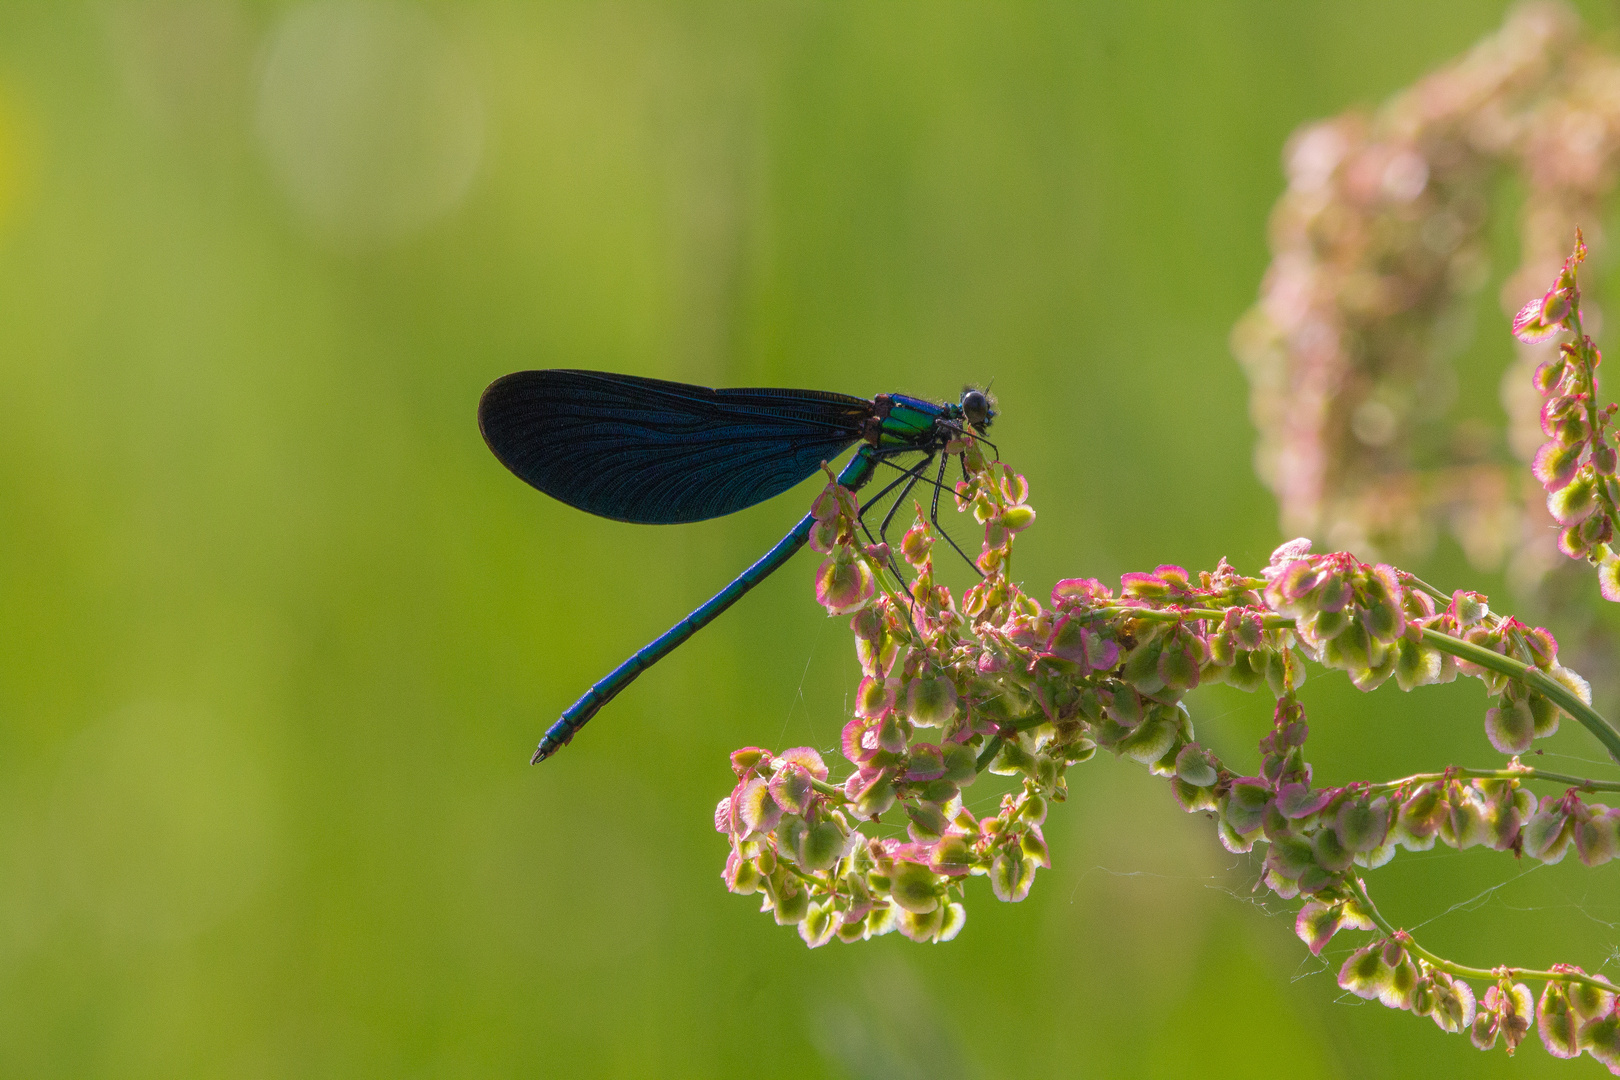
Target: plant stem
{"type": "Point", "coordinates": [1524, 772]}
{"type": "Point", "coordinates": [1588, 387]}
{"type": "Point", "coordinates": [828, 789]}
{"type": "Point", "coordinates": [1536, 679]}
{"type": "Point", "coordinates": [1531, 676]}
{"type": "Point", "coordinates": [1440, 963]}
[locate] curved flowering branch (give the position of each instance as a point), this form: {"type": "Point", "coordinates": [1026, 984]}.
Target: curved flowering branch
{"type": "Point", "coordinates": [1542, 689]}
{"type": "Point", "coordinates": [995, 681]}
{"type": "Point", "coordinates": [1576, 1013]}
{"type": "Point", "coordinates": [1380, 247]}
{"type": "Point", "coordinates": [1577, 462]}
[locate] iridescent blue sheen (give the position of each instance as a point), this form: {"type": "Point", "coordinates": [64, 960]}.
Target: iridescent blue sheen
{"type": "Point", "coordinates": [650, 451]}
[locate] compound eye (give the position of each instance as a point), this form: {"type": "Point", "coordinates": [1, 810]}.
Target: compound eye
{"type": "Point", "coordinates": [976, 407]}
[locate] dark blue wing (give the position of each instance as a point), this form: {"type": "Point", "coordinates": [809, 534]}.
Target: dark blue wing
{"type": "Point", "coordinates": [657, 452]}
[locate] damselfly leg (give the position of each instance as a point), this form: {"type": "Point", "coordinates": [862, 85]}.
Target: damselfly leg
{"type": "Point", "coordinates": [910, 477]}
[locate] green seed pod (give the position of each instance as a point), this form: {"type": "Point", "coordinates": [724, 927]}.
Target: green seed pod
{"type": "Point", "coordinates": [915, 888]}
{"type": "Point", "coordinates": [820, 847]}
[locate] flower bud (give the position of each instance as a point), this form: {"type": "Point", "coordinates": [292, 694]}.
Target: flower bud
{"type": "Point", "coordinates": [1543, 647]}
{"type": "Point", "coordinates": [875, 697]}
{"type": "Point", "coordinates": [1549, 374]}
{"type": "Point", "coordinates": [1290, 856]}
{"type": "Point", "coordinates": [1068, 640]}
{"type": "Point", "coordinates": [1556, 463]}
{"type": "Point", "coordinates": [1403, 980]}
{"type": "Point", "coordinates": [1383, 616]}
{"type": "Point", "coordinates": [1604, 457]}
{"type": "Point", "coordinates": [1248, 671]}
{"type": "Point", "coordinates": [1245, 804]}
{"type": "Point", "coordinates": [1012, 759]}
{"type": "Point", "coordinates": [764, 859]}
{"type": "Point", "coordinates": [1557, 1023]}
{"type": "Point", "coordinates": [1572, 542]}
{"type": "Point", "coordinates": [1588, 1002]}
{"type": "Point", "coordinates": [876, 796]}
{"type": "Point", "coordinates": [1320, 627]}
{"type": "Point", "coordinates": [1297, 801]}
{"type": "Point", "coordinates": [1011, 874]}
{"type": "Point", "coordinates": [928, 822]}
{"type": "Point", "coordinates": [1597, 835]}
{"type": "Point", "coordinates": [1576, 501]}
{"type": "Point", "coordinates": [1510, 726]}
{"type": "Point", "coordinates": [916, 545]}
{"type": "Point", "coordinates": [1350, 650]}
{"type": "Point", "coordinates": [1548, 833]}
{"type": "Point", "coordinates": [807, 758]}
{"type": "Point", "coordinates": [1468, 608]}
{"type": "Point", "coordinates": [1529, 324]}
{"type": "Point", "coordinates": [1284, 671]}
{"type": "Point", "coordinates": [757, 812]}
{"type": "Point", "coordinates": [931, 700]}
{"type": "Point", "coordinates": [1149, 741]}
{"type": "Point", "coordinates": [1546, 714]}
{"type": "Point", "coordinates": [1329, 853]}
{"type": "Point", "coordinates": [1464, 824]}
{"type": "Point", "coordinates": [844, 583]}
{"type": "Point", "coordinates": [1609, 579]}
{"type": "Point", "coordinates": [824, 536]}
{"type": "Point", "coordinates": [818, 925]}
{"type": "Point", "coordinates": [1516, 1011]}
{"type": "Point", "coordinates": [1014, 488]}
{"type": "Point", "coordinates": [926, 763]}
{"type": "Point", "coordinates": [748, 759]}
{"type": "Point", "coordinates": [741, 876]}
{"type": "Point", "coordinates": [1573, 682]}
{"type": "Point", "coordinates": [820, 847]}
{"type": "Point", "coordinates": [1595, 530]}
{"type": "Point", "coordinates": [1365, 974]}
{"type": "Point", "coordinates": [922, 927]}
{"type": "Point", "coordinates": [961, 764]}
{"type": "Point", "coordinates": [1141, 586]}
{"type": "Point", "coordinates": [1141, 668]}
{"type": "Point", "coordinates": [1033, 845]}
{"type": "Point", "coordinates": [915, 888]}
{"type": "Point", "coordinates": [1416, 665]}
{"type": "Point", "coordinates": [1180, 660]}
{"type": "Point", "coordinates": [790, 901]}
{"type": "Point", "coordinates": [881, 920]}
{"type": "Point", "coordinates": [1017, 518]}
{"type": "Point", "coordinates": [1316, 924]}
{"type": "Point", "coordinates": [1453, 1007]}
{"type": "Point", "coordinates": [791, 789]}
{"type": "Point", "coordinates": [1196, 766]}
{"type": "Point", "coordinates": [1601, 1039]}
{"type": "Point", "coordinates": [835, 501]}
{"type": "Point", "coordinates": [1362, 823]}
{"type": "Point", "coordinates": [1333, 594]}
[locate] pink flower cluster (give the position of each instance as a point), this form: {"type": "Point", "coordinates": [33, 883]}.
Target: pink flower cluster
{"type": "Point", "coordinates": [1577, 462]}
{"type": "Point", "coordinates": [1380, 245]}
{"type": "Point", "coordinates": [999, 682]}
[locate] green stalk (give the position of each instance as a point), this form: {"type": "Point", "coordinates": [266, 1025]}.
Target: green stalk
{"type": "Point", "coordinates": [1440, 963]}
{"type": "Point", "coordinates": [1531, 676]}
{"type": "Point", "coordinates": [1524, 772]}
{"type": "Point", "coordinates": [1536, 679]}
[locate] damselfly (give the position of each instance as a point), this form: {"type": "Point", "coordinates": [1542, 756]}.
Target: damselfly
{"type": "Point", "coordinates": [656, 452]}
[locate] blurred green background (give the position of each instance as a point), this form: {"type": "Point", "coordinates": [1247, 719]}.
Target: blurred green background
{"type": "Point", "coordinates": [279, 634]}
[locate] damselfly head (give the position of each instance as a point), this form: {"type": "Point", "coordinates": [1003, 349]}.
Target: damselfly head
{"type": "Point", "coordinates": [978, 407]}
